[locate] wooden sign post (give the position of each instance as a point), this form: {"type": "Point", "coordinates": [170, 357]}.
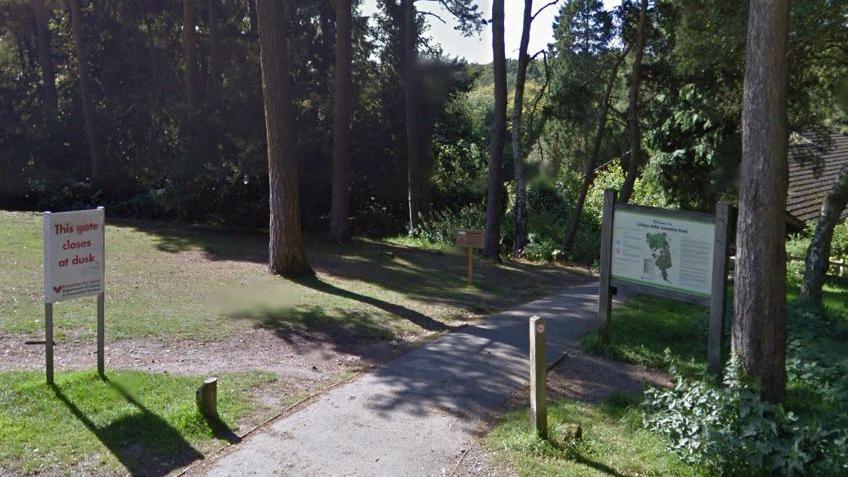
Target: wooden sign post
{"type": "Point", "coordinates": [470, 239]}
{"type": "Point", "coordinates": [74, 264]}
{"type": "Point", "coordinates": [674, 254]}
{"type": "Point", "coordinates": [538, 378]}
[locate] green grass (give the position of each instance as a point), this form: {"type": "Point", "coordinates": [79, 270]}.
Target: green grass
{"type": "Point", "coordinates": [131, 422]}
{"type": "Point", "coordinates": [176, 281]}
{"type": "Point", "coordinates": [613, 443]}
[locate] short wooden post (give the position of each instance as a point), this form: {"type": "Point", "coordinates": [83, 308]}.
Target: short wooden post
{"type": "Point", "coordinates": [604, 293]}
{"type": "Point", "coordinates": [538, 370]}
{"type": "Point", "coordinates": [101, 361]}
{"type": "Point", "coordinates": [48, 340]}
{"type": "Point", "coordinates": [718, 293]}
{"type": "Point", "coordinates": [470, 265]}
{"type": "Point", "coordinates": [207, 398]}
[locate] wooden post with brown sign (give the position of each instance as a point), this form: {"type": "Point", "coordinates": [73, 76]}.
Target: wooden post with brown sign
{"type": "Point", "coordinates": [470, 239]}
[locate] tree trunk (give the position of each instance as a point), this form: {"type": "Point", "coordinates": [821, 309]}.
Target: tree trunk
{"type": "Point", "coordinates": [410, 96]}
{"type": "Point", "coordinates": [341, 123]}
{"type": "Point", "coordinates": [634, 165]}
{"type": "Point", "coordinates": [498, 130]}
{"type": "Point", "coordinates": [191, 73]}
{"type": "Point", "coordinates": [216, 57]}
{"type": "Point", "coordinates": [818, 253]}
{"type": "Point", "coordinates": [285, 249]}
{"type": "Point", "coordinates": [759, 324]}
{"type": "Point", "coordinates": [592, 159]}
{"type": "Point", "coordinates": [45, 57]}
{"type": "Point", "coordinates": [520, 213]}
{"type": "Point", "coordinates": [251, 15]}
{"type": "Point", "coordinates": [94, 146]}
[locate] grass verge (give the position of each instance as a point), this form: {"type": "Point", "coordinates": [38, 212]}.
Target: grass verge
{"type": "Point", "coordinates": [129, 422]}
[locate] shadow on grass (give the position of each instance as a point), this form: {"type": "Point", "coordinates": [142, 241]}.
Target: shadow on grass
{"type": "Point", "coordinates": [144, 443]}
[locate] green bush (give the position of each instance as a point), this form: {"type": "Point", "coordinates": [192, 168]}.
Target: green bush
{"type": "Point", "coordinates": [732, 431]}
{"type": "Point", "coordinates": [441, 226]}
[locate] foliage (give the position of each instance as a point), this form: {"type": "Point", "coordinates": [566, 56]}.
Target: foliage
{"type": "Point", "coordinates": [731, 430]}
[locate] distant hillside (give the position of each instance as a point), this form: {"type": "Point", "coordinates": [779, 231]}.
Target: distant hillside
{"type": "Point", "coordinates": [486, 76]}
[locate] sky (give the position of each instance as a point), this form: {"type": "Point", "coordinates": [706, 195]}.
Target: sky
{"type": "Point", "coordinates": [478, 49]}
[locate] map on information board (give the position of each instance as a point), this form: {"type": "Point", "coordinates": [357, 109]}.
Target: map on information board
{"type": "Point", "coordinates": [663, 249]}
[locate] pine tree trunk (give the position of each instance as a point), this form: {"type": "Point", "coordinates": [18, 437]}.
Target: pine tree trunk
{"type": "Point", "coordinates": [520, 212]}
{"type": "Point", "coordinates": [341, 123]}
{"type": "Point", "coordinates": [592, 160]}
{"type": "Point", "coordinates": [251, 15]}
{"type": "Point", "coordinates": [498, 131]}
{"type": "Point", "coordinates": [45, 57]}
{"type": "Point", "coordinates": [759, 324]}
{"type": "Point", "coordinates": [634, 165]}
{"type": "Point", "coordinates": [91, 129]}
{"type": "Point", "coordinates": [410, 95]}
{"type": "Point", "coordinates": [216, 57]}
{"type": "Point", "coordinates": [285, 249]}
{"type": "Point", "coordinates": [818, 253]}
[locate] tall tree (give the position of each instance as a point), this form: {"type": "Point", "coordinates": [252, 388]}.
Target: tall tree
{"type": "Point", "coordinates": [759, 324]}
{"type": "Point", "coordinates": [191, 75]}
{"type": "Point", "coordinates": [341, 123]}
{"type": "Point", "coordinates": [818, 252]}
{"type": "Point", "coordinates": [216, 53]}
{"type": "Point", "coordinates": [91, 129]}
{"type": "Point", "coordinates": [498, 132]}
{"type": "Point", "coordinates": [286, 255]}
{"type": "Point", "coordinates": [410, 96]}
{"type": "Point", "coordinates": [520, 212]}
{"type": "Point", "coordinates": [634, 164]}
{"type": "Point", "coordinates": [45, 56]}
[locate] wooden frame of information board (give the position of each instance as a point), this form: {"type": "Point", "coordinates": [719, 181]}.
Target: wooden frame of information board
{"type": "Point", "coordinates": [74, 267]}
{"type": "Point", "coordinates": [712, 292]}
{"type": "Point", "coordinates": [470, 239]}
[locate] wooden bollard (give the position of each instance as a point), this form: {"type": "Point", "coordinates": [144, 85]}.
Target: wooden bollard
{"type": "Point", "coordinates": [207, 398]}
{"type": "Point", "coordinates": [538, 371]}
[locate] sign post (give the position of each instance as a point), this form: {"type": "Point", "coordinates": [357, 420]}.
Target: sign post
{"type": "Point", "coordinates": [74, 264]}
{"type": "Point", "coordinates": [538, 378]}
{"type": "Point", "coordinates": [673, 254]}
{"type": "Point", "coordinates": [470, 239]}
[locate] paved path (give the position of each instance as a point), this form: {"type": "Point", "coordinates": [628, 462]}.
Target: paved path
{"type": "Point", "coordinates": [416, 414]}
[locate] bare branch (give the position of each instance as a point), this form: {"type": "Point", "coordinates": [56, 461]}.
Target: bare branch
{"type": "Point", "coordinates": [433, 15]}
{"type": "Point", "coordinates": [554, 2]}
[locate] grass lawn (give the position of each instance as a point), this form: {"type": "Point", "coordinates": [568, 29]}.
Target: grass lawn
{"type": "Point", "coordinates": [173, 281]}
{"type": "Point", "coordinates": [613, 443]}
{"type": "Point", "coordinates": [130, 422]}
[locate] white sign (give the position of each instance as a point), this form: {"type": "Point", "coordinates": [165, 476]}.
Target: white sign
{"type": "Point", "coordinates": [73, 254]}
{"type": "Point", "coordinates": [663, 250]}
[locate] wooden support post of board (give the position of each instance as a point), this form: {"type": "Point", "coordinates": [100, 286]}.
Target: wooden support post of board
{"type": "Point", "coordinates": [604, 293]}
{"type": "Point", "coordinates": [101, 360]}
{"type": "Point", "coordinates": [470, 265]}
{"type": "Point", "coordinates": [538, 370]}
{"type": "Point", "coordinates": [718, 292]}
{"type": "Point", "coordinates": [207, 398]}
{"type": "Point", "coordinates": [48, 341]}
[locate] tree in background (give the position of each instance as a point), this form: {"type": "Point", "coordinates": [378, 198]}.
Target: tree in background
{"type": "Point", "coordinates": [341, 123]}
{"type": "Point", "coordinates": [759, 322]}
{"type": "Point", "coordinates": [635, 161]}
{"type": "Point", "coordinates": [498, 132]}
{"type": "Point", "coordinates": [286, 255]}
{"type": "Point", "coordinates": [191, 76]}
{"type": "Point", "coordinates": [94, 147]}
{"type": "Point", "coordinates": [45, 57]}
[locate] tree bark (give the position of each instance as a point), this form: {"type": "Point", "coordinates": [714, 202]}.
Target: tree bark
{"type": "Point", "coordinates": [191, 76]}
{"type": "Point", "coordinates": [818, 253]}
{"type": "Point", "coordinates": [341, 123]}
{"type": "Point", "coordinates": [410, 95]}
{"type": "Point", "coordinates": [45, 57]}
{"type": "Point", "coordinates": [759, 324]}
{"type": "Point", "coordinates": [91, 129]}
{"type": "Point", "coordinates": [286, 255]}
{"type": "Point", "coordinates": [216, 57]}
{"type": "Point", "coordinates": [592, 159]}
{"type": "Point", "coordinates": [498, 130]}
{"type": "Point", "coordinates": [251, 15]}
{"type": "Point", "coordinates": [634, 165]}
{"type": "Point", "coordinates": [520, 212]}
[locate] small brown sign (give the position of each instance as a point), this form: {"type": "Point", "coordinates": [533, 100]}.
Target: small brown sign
{"type": "Point", "coordinates": [470, 238]}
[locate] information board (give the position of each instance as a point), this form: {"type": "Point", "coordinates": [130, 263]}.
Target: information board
{"type": "Point", "coordinates": [470, 238]}
{"type": "Point", "coordinates": [663, 249]}
{"type": "Point", "coordinates": [73, 254]}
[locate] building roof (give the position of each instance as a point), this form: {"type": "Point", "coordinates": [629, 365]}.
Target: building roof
{"type": "Point", "coordinates": [815, 161]}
